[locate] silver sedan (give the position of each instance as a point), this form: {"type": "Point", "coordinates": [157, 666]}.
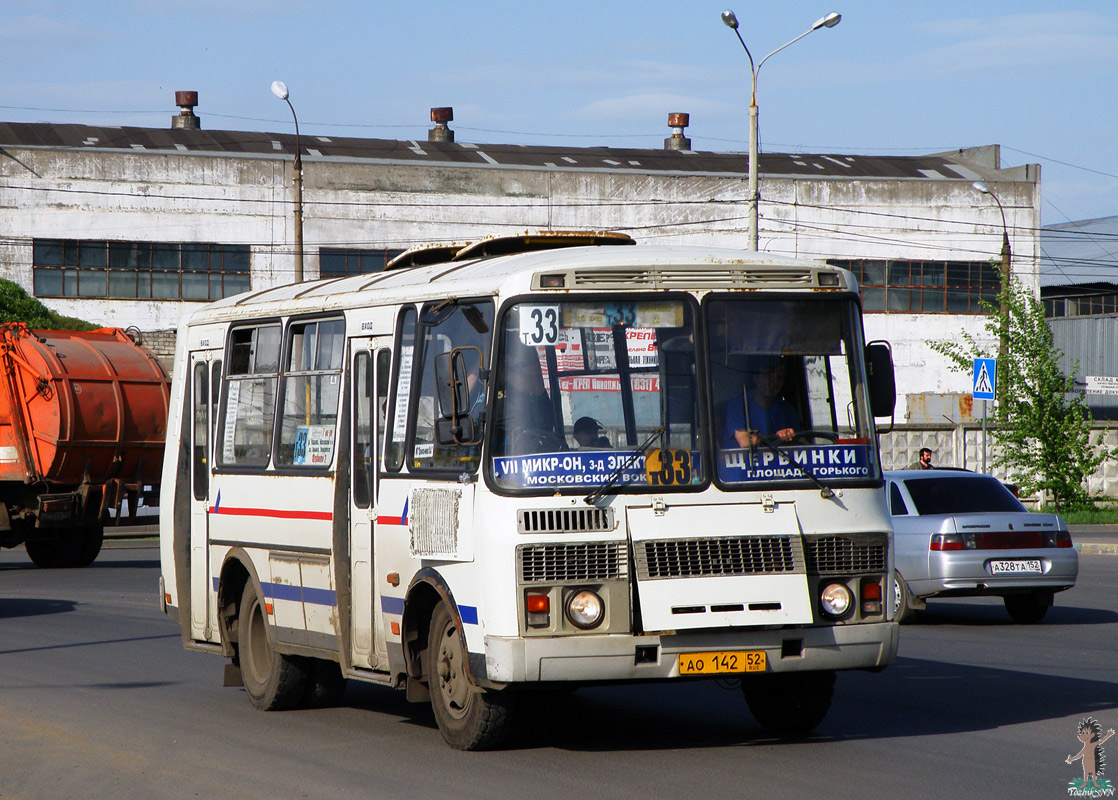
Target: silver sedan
{"type": "Point", "coordinates": [962, 533]}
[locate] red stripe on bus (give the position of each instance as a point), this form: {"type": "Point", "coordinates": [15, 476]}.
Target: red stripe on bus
{"type": "Point", "coordinates": [391, 521]}
{"type": "Point", "coordinates": [325, 516]}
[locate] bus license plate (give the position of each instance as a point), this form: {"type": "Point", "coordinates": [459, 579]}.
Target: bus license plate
{"type": "Point", "coordinates": [1006, 567]}
{"type": "Point", "coordinates": [722, 661]}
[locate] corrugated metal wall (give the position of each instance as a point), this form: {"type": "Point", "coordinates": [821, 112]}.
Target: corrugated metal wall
{"type": "Point", "coordinates": [1093, 342]}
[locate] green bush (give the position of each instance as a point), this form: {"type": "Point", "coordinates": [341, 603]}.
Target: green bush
{"type": "Point", "coordinates": [18, 306]}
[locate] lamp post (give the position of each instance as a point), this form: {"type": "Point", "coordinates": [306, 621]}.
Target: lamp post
{"type": "Point", "coordinates": [731, 21]}
{"type": "Point", "coordinates": [279, 89]}
{"type": "Point", "coordinates": [1003, 333]}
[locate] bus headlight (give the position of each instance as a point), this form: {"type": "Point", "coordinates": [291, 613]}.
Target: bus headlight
{"type": "Point", "coordinates": [835, 599]}
{"type": "Point", "coordinates": [585, 609]}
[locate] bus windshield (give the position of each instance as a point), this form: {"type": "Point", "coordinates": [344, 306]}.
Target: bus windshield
{"type": "Point", "coordinates": [593, 391]}
{"type": "Point", "coordinates": [787, 390]}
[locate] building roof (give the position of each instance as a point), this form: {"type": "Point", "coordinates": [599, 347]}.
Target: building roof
{"type": "Point", "coordinates": [962, 165]}
{"type": "Point", "coordinates": [1083, 252]}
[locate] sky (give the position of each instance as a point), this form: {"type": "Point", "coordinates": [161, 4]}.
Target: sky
{"type": "Point", "coordinates": [893, 78]}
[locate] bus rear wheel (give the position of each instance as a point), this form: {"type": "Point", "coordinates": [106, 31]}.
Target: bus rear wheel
{"type": "Point", "coordinates": [273, 681]}
{"type": "Point", "coordinates": [789, 704]}
{"type": "Point", "coordinates": [469, 718]}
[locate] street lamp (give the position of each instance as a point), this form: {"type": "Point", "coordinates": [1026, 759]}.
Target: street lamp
{"type": "Point", "coordinates": [731, 21]}
{"type": "Point", "coordinates": [1006, 256]}
{"type": "Point", "coordinates": [279, 89]}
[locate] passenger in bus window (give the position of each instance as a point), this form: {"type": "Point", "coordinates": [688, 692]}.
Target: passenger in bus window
{"type": "Point", "coordinates": [525, 414]}
{"type": "Point", "coordinates": [762, 412]}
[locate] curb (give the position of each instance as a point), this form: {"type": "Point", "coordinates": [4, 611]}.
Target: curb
{"type": "Point", "coordinates": [1097, 549]}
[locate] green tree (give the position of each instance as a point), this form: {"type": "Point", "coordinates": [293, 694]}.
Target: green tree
{"type": "Point", "coordinates": [18, 306]}
{"type": "Point", "coordinates": [1042, 427]}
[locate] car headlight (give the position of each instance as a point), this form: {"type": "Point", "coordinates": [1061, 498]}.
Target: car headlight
{"type": "Point", "coordinates": [835, 599]}
{"type": "Point", "coordinates": [585, 609]}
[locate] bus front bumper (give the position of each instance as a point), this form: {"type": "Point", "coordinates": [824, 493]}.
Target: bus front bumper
{"type": "Point", "coordinates": [614, 657]}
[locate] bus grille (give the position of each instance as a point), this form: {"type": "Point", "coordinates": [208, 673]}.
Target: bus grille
{"type": "Point", "coordinates": [564, 520]}
{"type": "Point", "coordinates": [694, 558]}
{"type": "Point", "coordinates": [568, 563]}
{"type": "Point", "coordinates": [841, 554]}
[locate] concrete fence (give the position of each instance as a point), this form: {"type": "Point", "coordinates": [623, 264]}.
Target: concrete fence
{"type": "Point", "coordinates": [961, 445]}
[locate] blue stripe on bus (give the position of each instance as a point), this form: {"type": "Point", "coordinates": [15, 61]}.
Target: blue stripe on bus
{"type": "Point", "coordinates": [395, 605]}
{"type": "Point", "coordinates": [300, 594]}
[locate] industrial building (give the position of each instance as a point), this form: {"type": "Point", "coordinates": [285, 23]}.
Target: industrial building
{"type": "Point", "coordinates": [131, 226]}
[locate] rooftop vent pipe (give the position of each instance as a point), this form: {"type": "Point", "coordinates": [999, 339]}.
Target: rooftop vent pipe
{"type": "Point", "coordinates": [677, 121]}
{"type": "Point", "coordinates": [186, 119]}
{"type": "Point", "coordinates": [441, 133]}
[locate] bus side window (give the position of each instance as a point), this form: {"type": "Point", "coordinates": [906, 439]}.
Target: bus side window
{"type": "Point", "coordinates": [249, 396]}
{"type": "Point", "coordinates": [364, 445]}
{"type": "Point", "coordinates": [401, 393]}
{"type": "Point", "coordinates": [201, 465]}
{"type": "Point", "coordinates": [310, 390]}
{"type": "Point", "coordinates": [384, 360]}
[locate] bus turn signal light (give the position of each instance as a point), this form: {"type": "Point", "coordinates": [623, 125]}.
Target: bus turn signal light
{"type": "Point", "coordinates": [538, 608]}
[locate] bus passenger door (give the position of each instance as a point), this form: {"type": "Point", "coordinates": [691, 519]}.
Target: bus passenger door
{"type": "Point", "coordinates": [369, 387]}
{"type": "Point", "coordinates": [205, 377]}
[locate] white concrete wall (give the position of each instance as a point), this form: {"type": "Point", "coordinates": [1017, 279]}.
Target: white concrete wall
{"type": "Point", "coordinates": [147, 196]}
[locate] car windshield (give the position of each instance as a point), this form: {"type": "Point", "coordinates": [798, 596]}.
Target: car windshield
{"type": "Point", "coordinates": [961, 494]}
{"type": "Point", "coordinates": [788, 389]}
{"type": "Point", "coordinates": [591, 391]}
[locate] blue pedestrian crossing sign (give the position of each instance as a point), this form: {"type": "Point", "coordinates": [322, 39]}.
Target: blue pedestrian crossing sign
{"type": "Point", "coordinates": [985, 378]}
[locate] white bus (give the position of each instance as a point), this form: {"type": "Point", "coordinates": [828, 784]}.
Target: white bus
{"type": "Point", "coordinates": [533, 462]}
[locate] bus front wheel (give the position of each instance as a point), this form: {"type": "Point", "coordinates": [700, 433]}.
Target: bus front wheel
{"type": "Point", "coordinates": [469, 718]}
{"type": "Point", "coordinates": [789, 704]}
{"type": "Point", "coordinates": [273, 681]}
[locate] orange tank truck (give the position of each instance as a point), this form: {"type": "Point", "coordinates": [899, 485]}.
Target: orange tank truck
{"type": "Point", "coordinates": [83, 416]}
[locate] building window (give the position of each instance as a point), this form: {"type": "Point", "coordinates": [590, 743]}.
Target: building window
{"type": "Point", "coordinates": [147, 270]}
{"type": "Point", "coordinates": [336, 262]}
{"type": "Point", "coordinates": [1082, 305]}
{"type": "Point", "coordinates": [928, 287]}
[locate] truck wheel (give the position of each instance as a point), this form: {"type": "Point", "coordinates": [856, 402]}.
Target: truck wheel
{"type": "Point", "coordinates": [273, 681]}
{"type": "Point", "coordinates": [63, 550]}
{"type": "Point", "coordinates": [789, 704]}
{"type": "Point", "coordinates": [1028, 609]}
{"type": "Point", "coordinates": [469, 718]}
{"type": "Point", "coordinates": [43, 554]}
{"type": "Point", "coordinates": [92, 537]}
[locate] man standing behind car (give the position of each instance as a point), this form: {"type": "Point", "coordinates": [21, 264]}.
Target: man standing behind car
{"type": "Point", "coordinates": [924, 461]}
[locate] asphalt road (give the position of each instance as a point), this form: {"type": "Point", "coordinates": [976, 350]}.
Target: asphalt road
{"type": "Point", "coordinates": [99, 699]}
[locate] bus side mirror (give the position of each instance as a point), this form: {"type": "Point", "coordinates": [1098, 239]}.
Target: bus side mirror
{"type": "Point", "coordinates": [453, 373]}
{"type": "Point", "coordinates": [882, 380]}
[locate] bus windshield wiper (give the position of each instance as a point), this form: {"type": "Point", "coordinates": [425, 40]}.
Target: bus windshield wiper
{"type": "Point", "coordinates": [592, 498]}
